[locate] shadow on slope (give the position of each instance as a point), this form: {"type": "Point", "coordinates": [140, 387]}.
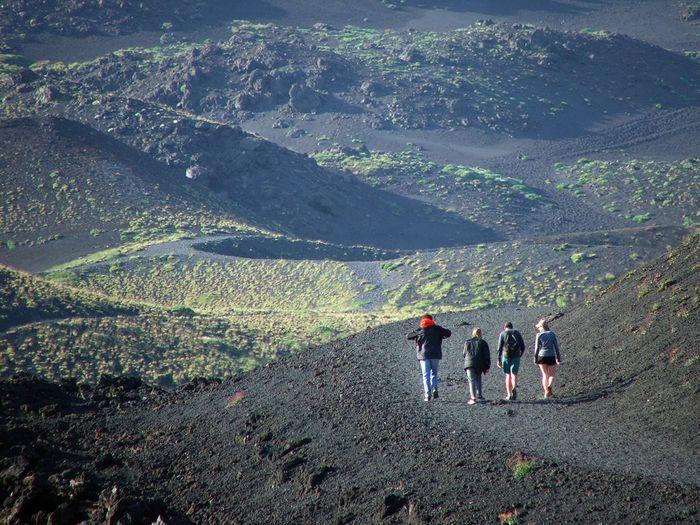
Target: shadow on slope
{"type": "Point", "coordinates": [26, 299]}
{"type": "Point", "coordinates": [69, 184]}
{"type": "Point", "coordinates": [260, 247]}
{"type": "Point", "coordinates": [639, 338]}
{"type": "Point", "coordinates": [69, 190]}
{"type": "Point", "coordinates": [280, 189]}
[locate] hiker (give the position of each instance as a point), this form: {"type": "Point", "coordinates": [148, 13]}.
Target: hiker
{"type": "Point", "coordinates": [511, 347]}
{"type": "Point", "coordinates": [546, 355]}
{"type": "Point", "coordinates": [477, 361]}
{"type": "Point", "coordinates": [428, 340]}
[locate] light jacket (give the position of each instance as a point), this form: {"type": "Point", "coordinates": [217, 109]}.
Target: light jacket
{"type": "Point", "coordinates": [546, 345]}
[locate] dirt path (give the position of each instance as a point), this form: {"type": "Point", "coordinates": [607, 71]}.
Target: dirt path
{"type": "Point", "coordinates": [318, 427]}
{"type": "Point", "coordinates": [338, 434]}
{"type": "Point", "coordinates": [569, 428]}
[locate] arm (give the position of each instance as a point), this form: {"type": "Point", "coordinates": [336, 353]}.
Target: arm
{"type": "Point", "coordinates": [521, 342]}
{"type": "Point", "coordinates": [446, 332]}
{"type": "Point", "coordinates": [487, 356]}
{"type": "Point", "coordinates": [537, 346]}
{"type": "Point", "coordinates": [556, 348]}
{"type": "Point", "coordinates": [501, 342]}
{"type": "Point", "coordinates": [412, 335]}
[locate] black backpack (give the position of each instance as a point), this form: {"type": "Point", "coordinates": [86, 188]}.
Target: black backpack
{"type": "Point", "coordinates": [511, 346]}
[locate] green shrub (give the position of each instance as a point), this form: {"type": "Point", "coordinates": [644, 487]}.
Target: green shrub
{"type": "Point", "coordinates": [643, 217]}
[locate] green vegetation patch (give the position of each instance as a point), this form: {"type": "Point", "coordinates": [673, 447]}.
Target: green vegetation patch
{"type": "Point", "coordinates": [165, 348]}
{"type": "Point", "coordinates": [477, 193]}
{"type": "Point", "coordinates": [240, 285]}
{"type": "Point", "coordinates": [637, 190]}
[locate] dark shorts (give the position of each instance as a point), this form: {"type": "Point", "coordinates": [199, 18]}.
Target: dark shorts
{"type": "Point", "coordinates": [546, 360]}
{"type": "Point", "coordinates": [511, 365]}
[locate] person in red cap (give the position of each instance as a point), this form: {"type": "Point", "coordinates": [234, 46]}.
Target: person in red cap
{"type": "Point", "coordinates": [428, 340]}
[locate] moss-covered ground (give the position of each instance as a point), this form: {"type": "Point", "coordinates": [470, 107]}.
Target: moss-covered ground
{"type": "Point", "coordinates": [477, 193]}
{"type": "Point", "coordinates": [638, 190]}
{"type": "Point", "coordinates": [58, 331]}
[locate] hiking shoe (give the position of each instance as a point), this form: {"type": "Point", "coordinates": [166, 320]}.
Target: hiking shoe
{"type": "Point", "coordinates": [549, 392]}
{"type": "Point", "coordinates": [514, 395]}
{"type": "Point", "coordinates": [426, 398]}
{"type": "Point", "coordinates": [481, 398]}
{"type": "Point", "coordinates": [471, 402]}
{"type": "Point", "coordinates": [435, 394]}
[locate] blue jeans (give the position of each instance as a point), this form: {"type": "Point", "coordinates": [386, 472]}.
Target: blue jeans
{"type": "Point", "coordinates": [429, 368]}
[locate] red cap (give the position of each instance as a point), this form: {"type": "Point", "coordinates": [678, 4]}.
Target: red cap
{"type": "Point", "coordinates": [425, 322]}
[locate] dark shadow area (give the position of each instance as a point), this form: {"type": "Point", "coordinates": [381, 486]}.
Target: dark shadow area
{"type": "Point", "coordinates": [503, 7]}
{"type": "Point", "coordinates": [259, 247]}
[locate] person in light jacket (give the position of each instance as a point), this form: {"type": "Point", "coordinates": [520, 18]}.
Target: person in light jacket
{"type": "Point", "coordinates": [477, 361]}
{"type": "Point", "coordinates": [547, 355]}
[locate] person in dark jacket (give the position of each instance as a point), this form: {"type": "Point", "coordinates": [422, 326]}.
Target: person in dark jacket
{"type": "Point", "coordinates": [477, 361]}
{"type": "Point", "coordinates": [428, 339]}
{"type": "Point", "coordinates": [511, 347]}
{"type": "Point", "coordinates": [547, 355]}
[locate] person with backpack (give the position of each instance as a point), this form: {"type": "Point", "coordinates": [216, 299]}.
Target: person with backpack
{"type": "Point", "coordinates": [511, 347]}
{"type": "Point", "coordinates": [547, 355]}
{"type": "Point", "coordinates": [477, 361]}
{"type": "Point", "coordinates": [428, 339]}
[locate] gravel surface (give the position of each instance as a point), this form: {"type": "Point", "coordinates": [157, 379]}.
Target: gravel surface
{"type": "Point", "coordinates": [341, 434]}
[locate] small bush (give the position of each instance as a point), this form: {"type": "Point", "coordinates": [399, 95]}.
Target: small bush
{"type": "Point", "coordinates": [522, 465]}
{"type": "Point", "coordinates": [644, 217]}
{"type": "Point", "coordinates": [184, 311]}
{"type": "Point", "coordinates": [508, 517]}
{"type": "Point", "coordinates": [235, 399]}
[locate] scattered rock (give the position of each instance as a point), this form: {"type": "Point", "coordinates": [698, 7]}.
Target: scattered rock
{"type": "Point", "coordinates": [410, 55]}
{"type": "Point", "coordinates": [303, 98]}
{"type": "Point", "coordinates": [391, 504]}
{"type": "Point", "coordinates": [194, 172]}
{"type": "Point", "coordinates": [46, 94]}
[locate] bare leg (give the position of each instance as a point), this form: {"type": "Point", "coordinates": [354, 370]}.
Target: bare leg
{"type": "Point", "coordinates": [545, 381]}
{"type": "Point", "coordinates": [515, 381]}
{"type": "Point", "coordinates": [509, 389]}
{"type": "Point", "coordinates": [552, 369]}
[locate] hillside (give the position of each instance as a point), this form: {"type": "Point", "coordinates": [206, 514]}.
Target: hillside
{"type": "Point", "coordinates": [320, 436]}
{"type": "Point", "coordinates": [69, 190]}
{"type": "Point", "coordinates": [509, 78]}
{"type": "Point", "coordinates": [234, 211]}
{"type": "Point", "coordinates": [56, 332]}
{"type": "Point", "coordinates": [198, 178]}
{"type": "Point", "coordinates": [639, 336]}
{"type": "Point", "coordinates": [26, 299]}
{"type": "Point", "coordinates": [243, 274]}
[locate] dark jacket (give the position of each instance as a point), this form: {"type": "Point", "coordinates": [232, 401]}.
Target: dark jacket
{"type": "Point", "coordinates": [502, 342]}
{"type": "Point", "coordinates": [476, 354]}
{"type": "Point", "coordinates": [429, 341]}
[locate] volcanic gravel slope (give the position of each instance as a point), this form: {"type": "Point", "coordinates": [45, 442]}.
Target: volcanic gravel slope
{"type": "Point", "coordinates": [339, 434]}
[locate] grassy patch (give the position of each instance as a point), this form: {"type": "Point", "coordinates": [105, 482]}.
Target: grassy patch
{"type": "Point", "coordinates": [636, 190]}
{"type": "Point", "coordinates": [478, 194]}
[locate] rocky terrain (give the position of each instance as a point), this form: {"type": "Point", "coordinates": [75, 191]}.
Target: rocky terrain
{"type": "Point", "coordinates": [508, 78]}
{"type": "Point", "coordinates": [320, 437]}
{"type": "Point", "coordinates": [232, 212]}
